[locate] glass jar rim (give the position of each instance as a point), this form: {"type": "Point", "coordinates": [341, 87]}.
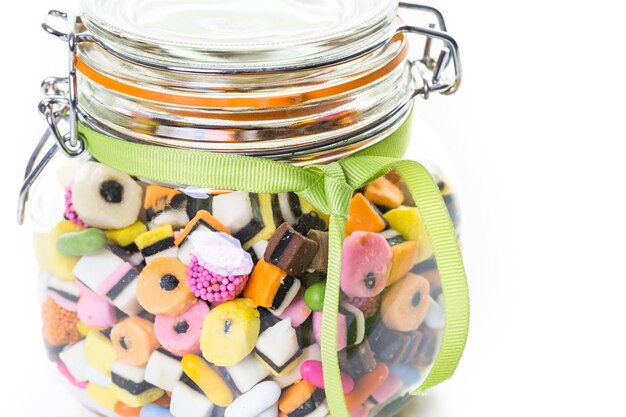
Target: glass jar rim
{"type": "Point", "coordinates": [240, 35]}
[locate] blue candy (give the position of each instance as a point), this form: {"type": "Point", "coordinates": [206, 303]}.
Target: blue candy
{"type": "Point", "coordinates": [408, 374]}
{"type": "Point", "coordinates": [153, 410]}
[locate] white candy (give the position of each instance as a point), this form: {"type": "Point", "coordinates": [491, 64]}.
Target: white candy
{"type": "Point", "coordinates": [321, 411]}
{"type": "Point", "coordinates": [74, 359]}
{"type": "Point", "coordinates": [254, 402]}
{"type": "Point", "coordinates": [279, 343]}
{"type": "Point", "coordinates": [436, 315]}
{"type": "Point", "coordinates": [233, 210]}
{"type": "Point", "coordinates": [270, 412]}
{"type": "Point", "coordinates": [97, 377]}
{"type": "Point", "coordinates": [163, 371]}
{"type": "Point", "coordinates": [186, 402]}
{"type": "Point", "coordinates": [68, 287]}
{"type": "Point", "coordinates": [310, 353]}
{"type": "Point", "coordinates": [285, 209]}
{"type": "Point", "coordinates": [259, 248]}
{"type": "Point", "coordinates": [128, 372]}
{"type": "Point", "coordinates": [127, 300]}
{"type": "Point", "coordinates": [289, 297]}
{"type": "Point", "coordinates": [171, 252]}
{"type": "Point", "coordinates": [247, 373]}
{"type": "Point", "coordinates": [359, 320]}
{"type": "Point", "coordinates": [93, 270]}
{"type": "Point", "coordinates": [176, 218]}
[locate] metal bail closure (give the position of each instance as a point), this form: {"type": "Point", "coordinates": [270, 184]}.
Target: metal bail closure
{"type": "Point", "coordinates": [433, 74]}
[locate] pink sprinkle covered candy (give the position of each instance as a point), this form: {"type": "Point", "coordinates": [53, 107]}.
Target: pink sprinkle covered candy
{"type": "Point", "coordinates": [70, 213]}
{"type": "Point", "coordinates": [213, 287]}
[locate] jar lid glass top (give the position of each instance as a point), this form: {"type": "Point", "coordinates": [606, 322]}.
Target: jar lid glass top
{"type": "Point", "coordinates": [240, 35]}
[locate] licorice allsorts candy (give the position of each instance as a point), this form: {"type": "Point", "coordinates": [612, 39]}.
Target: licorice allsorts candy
{"type": "Point", "coordinates": [271, 287]}
{"type": "Point", "coordinates": [189, 401]}
{"type": "Point", "coordinates": [277, 347]}
{"type": "Point", "coordinates": [309, 353]}
{"type": "Point", "coordinates": [364, 216]}
{"type": "Point", "coordinates": [130, 386]}
{"type": "Point", "coordinates": [358, 360]}
{"type": "Point", "coordinates": [99, 351]}
{"type": "Point", "coordinates": [303, 400]}
{"type": "Point", "coordinates": [75, 360]}
{"type": "Point", "coordinates": [105, 198]}
{"type": "Point", "coordinates": [289, 208]}
{"type": "Point", "coordinates": [203, 221]}
{"type": "Point", "coordinates": [290, 251]}
{"type": "Point", "coordinates": [163, 369]}
{"type": "Point", "coordinates": [392, 236]}
{"type": "Point", "coordinates": [427, 349]}
{"type": "Point", "coordinates": [320, 260]}
{"type": "Point", "coordinates": [174, 213]}
{"type": "Point", "coordinates": [394, 347]}
{"type": "Point", "coordinates": [350, 326]}
{"type": "Point", "coordinates": [246, 374]}
{"type": "Point", "coordinates": [254, 402]}
{"type": "Point", "coordinates": [108, 275]}
{"type": "Point", "coordinates": [157, 243]}
{"type": "Point", "coordinates": [248, 215]}
{"type": "Point", "coordinates": [65, 293]}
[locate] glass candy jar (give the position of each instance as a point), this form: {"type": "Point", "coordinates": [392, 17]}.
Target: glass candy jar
{"type": "Point", "coordinates": [223, 219]}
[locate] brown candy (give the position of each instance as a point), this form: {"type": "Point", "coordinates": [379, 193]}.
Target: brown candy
{"type": "Point", "coordinates": [59, 324]}
{"type": "Point", "coordinates": [320, 261]}
{"type": "Point", "coordinates": [290, 251]}
{"type": "Point", "coordinates": [357, 361]}
{"type": "Point", "coordinates": [395, 347]}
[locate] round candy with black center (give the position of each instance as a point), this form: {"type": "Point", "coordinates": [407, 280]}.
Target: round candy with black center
{"type": "Point", "coordinates": [405, 304]}
{"type": "Point", "coordinates": [162, 287]}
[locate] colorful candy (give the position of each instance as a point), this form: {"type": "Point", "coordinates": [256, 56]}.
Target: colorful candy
{"type": "Point", "coordinates": [180, 334]}
{"type": "Point", "coordinates": [105, 198]}
{"type": "Point", "coordinates": [162, 287]}
{"type": "Point", "coordinates": [134, 341]}
{"type": "Point", "coordinates": [211, 305]}
{"type": "Point", "coordinates": [405, 305]}
{"type": "Point", "coordinates": [290, 251]}
{"type": "Point", "coordinates": [230, 332]}
{"type": "Point", "coordinates": [366, 264]}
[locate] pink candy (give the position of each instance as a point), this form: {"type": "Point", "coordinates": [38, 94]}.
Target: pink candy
{"type": "Point", "coordinates": [342, 330]}
{"type": "Point", "coordinates": [94, 310]}
{"type": "Point", "coordinates": [297, 311]}
{"type": "Point", "coordinates": [70, 213]}
{"type": "Point", "coordinates": [180, 334]}
{"type": "Point", "coordinates": [312, 372]}
{"type": "Point", "coordinates": [213, 287]}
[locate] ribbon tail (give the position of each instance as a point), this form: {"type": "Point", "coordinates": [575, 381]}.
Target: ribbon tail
{"type": "Point", "coordinates": [445, 245]}
{"type": "Point", "coordinates": [332, 379]}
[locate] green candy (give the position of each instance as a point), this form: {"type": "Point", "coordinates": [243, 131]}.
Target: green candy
{"type": "Point", "coordinates": [314, 296]}
{"type": "Point", "coordinates": [83, 242]}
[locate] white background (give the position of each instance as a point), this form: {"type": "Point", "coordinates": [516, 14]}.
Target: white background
{"type": "Point", "coordinates": [537, 137]}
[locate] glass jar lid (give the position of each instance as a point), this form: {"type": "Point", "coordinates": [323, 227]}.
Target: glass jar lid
{"type": "Point", "coordinates": [240, 35]}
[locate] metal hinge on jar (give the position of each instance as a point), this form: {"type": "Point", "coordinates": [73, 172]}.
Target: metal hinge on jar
{"type": "Point", "coordinates": [439, 72]}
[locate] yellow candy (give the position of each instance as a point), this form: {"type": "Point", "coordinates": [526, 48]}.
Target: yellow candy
{"type": "Point", "coordinates": [49, 258]}
{"type": "Point", "coordinates": [153, 236]}
{"type": "Point", "coordinates": [146, 397]}
{"type": "Point", "coordinates": [308, 207]}
{"type": "Point", "coordinates": [99, 352]}
{"type": "Point", "coordinates": [208, 380]}
{"type": "Point", "coordinates": [126, 236]}
{"type": "Point", "coordinates": [84, 329]}
{"type": "Point", "coordinates": [265, 204]}
{"type": "Point", "coordinates": [408, 222]}
{"type": "Point", "coordinates": [102, 395]}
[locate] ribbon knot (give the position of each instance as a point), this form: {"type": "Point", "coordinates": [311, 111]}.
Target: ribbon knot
{"type": "Point", "coordinates": [330, 191]}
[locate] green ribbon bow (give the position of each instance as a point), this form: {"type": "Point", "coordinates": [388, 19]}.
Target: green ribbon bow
{"type": "Point", "coordinates": [329, 188]}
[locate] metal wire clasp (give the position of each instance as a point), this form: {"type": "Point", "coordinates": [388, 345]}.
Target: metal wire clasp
{"type": "Point", "coordinates": [433, 74]}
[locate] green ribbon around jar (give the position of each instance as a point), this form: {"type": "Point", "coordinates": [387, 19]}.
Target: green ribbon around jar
{"type": "Point", "coordinates": [329, 188]}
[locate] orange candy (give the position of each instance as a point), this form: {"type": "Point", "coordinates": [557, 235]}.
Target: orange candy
{"type": "Point", "coordinates": [157, 197]}
{"type": "Point", "coordinates": [363, 217]}
{"type": "Point", "coordinates": [60, 326]}
{"type": "Point", "coordinates": [204, 217]}
{"type": "Point", "coordinates": [385, 193]}
{"type": "Point", "coordinates": [264, 283]}
{"type": "Point", "coordinates": [405, 256]}
{"type": "Point", "coordinates": [295, 396]}
{"type": "Point", "coordinates": [134, 341]}
{"type": "Point", "coordinates": [162, 287]}
{"type": "Point", "coordinates": [405, 303]}
{"type": "Point", "coordinates": [366, 385]}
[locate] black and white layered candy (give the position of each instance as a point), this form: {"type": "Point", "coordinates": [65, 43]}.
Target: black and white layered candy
{"type": "Point", "coordinates": [277, 347]}
{"type": "Point", "coordinates": [246, 374]}
{"type": "Point", "coordinates": [65, 293]}
{"type": "Point", "coordinates": [247, 215]}
{"type": "Point", "coordinates": [75, 360]}
{"type": "Point", "coordinates": [131, 387]}
{"type": "Point", "coordinates": [189, 401]}
{"type": "Point", "coordinates": [163, 369]}
{"type": "Point", "coordinates": [110, 276]}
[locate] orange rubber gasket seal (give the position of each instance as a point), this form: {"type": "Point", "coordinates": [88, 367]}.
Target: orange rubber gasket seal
{"type": "Point", "coordinates": [241, 102]}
